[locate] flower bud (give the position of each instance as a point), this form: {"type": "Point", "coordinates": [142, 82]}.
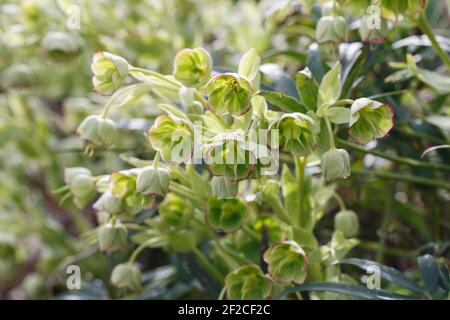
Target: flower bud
{"type": "Point", "coordinates": [60, 45]}
{"type": "Point", "coordinates": [71, 173]}
{"type": "Point", "coordinates": [192, 67]}
{"type": "Point", "coordinates": [108, 202]}
{"type": "Point", "coordinates": [154, 181]}
{"type": "Point", "coordinates": [225, 214]}
{"type": "Point", "coordinates": [172, 137]}
{"type": "Point", "coordinates": [112, 237]}
{"type": "Point", "coordinates": [296, 133]}
{"type": "Point", "coordinates": [370, 119]}
{"type": "Point", "coordinates": [173, 211]}
{"type": "Point", "coordinates": [110, 72]}
{"type": "Point", "coordinates": [126, 275]}
{"type": "Point", "coordinates": [287, 262]}
{"type": "Point", "coordinates": [347, 222]}
{"type": "Point", "coordinates": [331, 29]}
{"type": "Point", "coordinates": [247, 283]}
{"type": "Point", "coordinates": [229, 93]}
{"type": "Point", "coordinates": [222, 188]}
{"type": "Point", "coordinates": [335, 164]}
{"type": "Point", "coordinates": [98, 130]}
{"type": "Point", "coordinates": [81, 185]}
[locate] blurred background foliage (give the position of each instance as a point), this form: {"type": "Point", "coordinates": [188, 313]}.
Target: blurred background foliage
{"type": "Point", "coordinates": [46, 91]}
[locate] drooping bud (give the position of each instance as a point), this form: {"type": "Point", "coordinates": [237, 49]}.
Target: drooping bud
{"type": "Point", "coordinates": [60, 45]}
{"type": "Point", "coordinates": [110, 72]}
{"type": "Point", "coordinates": [153, 180]}
{"type": "Point", "coordinates": [335, 164]}
{"type": "Point", "coordinates": [108, 202]}
{"type": "Point", "coordinates": [287, 262]}
{"type": "Point", "coordinates": [370, 119]}
{"type": "Point", "coordinates": [98, 130]}
{"type": "Point", "coordinates": [331, 29]}
{"type": "Point", "coordinates": [81, 185]}
{"type": "Point", "coordinates": [113, 237]}
{"type": "Point", "coordinates": [247, 283]}
{"type": "Point", "coordinates": [229, 93]}
{"type": "Point", "coordinates": [192, 67]}
{"type": "Point", "coordinates": [347, 222]}
{"type": "Point", "coordinates": [126, 275]}
{"type": "Point", "coordinates": [297, 133]}
{"type": "Point", "coordinates": [225, 214]}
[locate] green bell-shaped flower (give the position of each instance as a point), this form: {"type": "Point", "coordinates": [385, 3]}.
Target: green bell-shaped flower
{"type": "Point", "coordinates": [173, 138]}
{"type": "Point", "coordinates": [192, 67]}
{"type": "Point", "coordinates": [228, 156]}
{"type": "Point", "coordinates": [113, 237]}
{"type": "Point", "coordinates": [247, 283]}
{"type": "Point", "coordinates": [370, 119]}
{"type": "Point", "coordinates": [287, 262]}
{"type": "Point", "coordinates": [297, 133]}
{"type": "Point", "coordinates": [126, 275]}
{"type": "Point", "coordinates": [110, 72]}
{"type": "Point", "coordinates": [60, 46]}
{"type": "Point", "coordinates": [153, 180]}
{"type": "Point", "coordinates": [335, 164]}
{"type": "Point", "coordinates": [98, 130]}
{"type": "Point", "coordinates": [225, 214]}
{"type": "Point", "coordinates": [347, 222]}
{"type": "Point", "coordinates": [331, 29]}
{"type": "Point", "coordinates": [229, 93]}
{"type": "Point", "coordinates": [81, 185]}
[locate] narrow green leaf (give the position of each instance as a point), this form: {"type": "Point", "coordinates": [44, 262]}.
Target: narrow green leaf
{"type": "Point", "coordinates": [249, 64]}
{"type": "Point", "coordinates": [283, 101]}
{"type": "Point", "coordinates": [387, 273]}
{"type": "Point", "coordinates": [346, 289]}
{"type": "Point", "coordinates": [430, 272]}
{"type": "Point", "coordinates": [307, 88]}
{"type": "Point", "coordinates": [330, 87]}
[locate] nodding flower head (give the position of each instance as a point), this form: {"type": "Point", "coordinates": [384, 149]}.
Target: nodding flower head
{"type": "Point", "coordinates": [192, 67]}
{"type": "Point", "coordinates": [110, 72]}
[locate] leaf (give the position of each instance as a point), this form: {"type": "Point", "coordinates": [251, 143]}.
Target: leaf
{"type": "Point", "coordinates": [172, 111]}
{"type": "Point", "coordinates": [338, 115]}
{"type": "Point", "coordinates": [352, 71]}
{"type": "Point", "coordinates": [127, 95]}
{"type": "Point", "coordinates": [307, 88]}
{"type": "Point", "coordinates": [346, 289]}
{"type": "Point", "coordinates": [388, 273]}
{"type": "Point", "coordinates": [443, 146]}
{"type": "Point", "coordinates": [330, 87]}
{"type": "Point", "coordinates": [444, 277]}
{"type": "Point", "coordinates": [430, 272]}
{"type": "Point", "coordinates": [435, 80]}
{"type": "Point", "coordinates": [283, 101]}
{"type": "Point", "coordinates": [304, 238]}
{"type": "Point", "coordinates": [279, 80]}
{"type": "Point", "coordinates": [249, 64]}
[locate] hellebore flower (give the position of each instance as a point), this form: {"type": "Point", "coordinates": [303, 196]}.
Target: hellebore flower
{"type": "Point", "coordinates": [331, 29]}
{"type": "Point", "coordinates": [112, 237]}
{"type": "Point", "coordinates": [98, 130]}
{"type": "Point", "coordinates": [153, 180]}
{"type": "Point", "coordinates": [335, 164]}
{"type": "Point", "coordinates": [108, 202]}
{"type": "Point", "coordinates": [172, 137]}
{"type": "Point", "coordinates": [192, 67]}
{"type": "Point", "coordinates": [370, 119]}
{"type": "Point", "coordinates": [247, 283]}
{"type": "Point", "coordinates": [229, 93]}
{"type": "Point", "coordinates": [225, 214]}
{"type": "Point", "coordinates": [110, 72]}
{"type": "Point", "coordinates": [126, 275]}
{"type": "Point", "coordinates": [287, 262]}
{"type": "Point", "coordinates": [296, 133]}
{"type": "Point", "coordinates": [81, 185]}
{"type": "Point", "coordinates": [347, 222]}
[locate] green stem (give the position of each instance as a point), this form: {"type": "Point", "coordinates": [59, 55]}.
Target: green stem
{"type": "Point", "coordinates": [156, 160]}
{"type": "Point", "coordinates": [424, 26]}
{"type": "Point", "coordinates": [403, 177]}
{"type": "Point", "coordinates": [402, 160]}
{"type": "Point", "coordinates": [141, 247]}
{"type": "Point", "coordinates": [207, 265]}
{"type": "Point", "coordinates": [300, 174]}
{"type": "Point", "coordinates": [156, 75]}
{"type": "Point", "coordinates": [330, 133]}
{"type": "Point", "coordinates": [339, 200]}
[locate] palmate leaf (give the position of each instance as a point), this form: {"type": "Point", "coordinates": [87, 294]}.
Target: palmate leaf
{"type": "Point", "coordinates": [346, 289]}
{"type": "Point", "coordinates": [389, 274]}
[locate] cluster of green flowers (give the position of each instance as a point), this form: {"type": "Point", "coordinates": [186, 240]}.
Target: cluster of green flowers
{"type": "Point", "coordinates": [192, 208]}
